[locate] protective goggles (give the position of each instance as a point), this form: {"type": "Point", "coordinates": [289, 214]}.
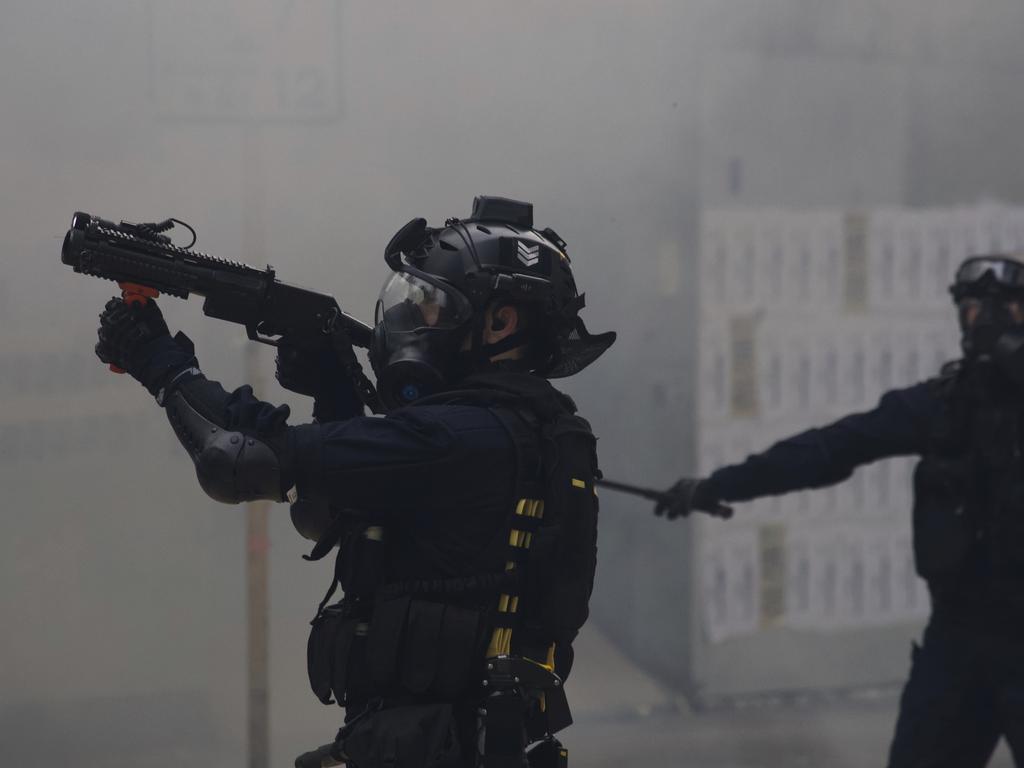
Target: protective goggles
{"type": "Point", "coordinates": [1004, 272]}
{"type": "Point", "coordinates": [412, 301]}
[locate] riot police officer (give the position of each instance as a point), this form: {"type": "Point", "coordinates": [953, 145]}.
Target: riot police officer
{"type": "Point", "coordinates": [464, 519]}
{"type": "Point", "coordinates": [966, 685]}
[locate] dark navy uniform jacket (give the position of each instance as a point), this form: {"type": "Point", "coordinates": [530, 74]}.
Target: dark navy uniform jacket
{"type": "Point", "coordinates": [445, 472]}
{"type": "Point", "coordinates": [898, 426]}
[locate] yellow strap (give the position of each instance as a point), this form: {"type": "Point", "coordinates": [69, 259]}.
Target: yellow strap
{"type": "Point", "coordinates": [501, 637]}
{"type": "Point", "coordinates": [501, 642]}
{"type": "Point", "coordinates": [494, 649]}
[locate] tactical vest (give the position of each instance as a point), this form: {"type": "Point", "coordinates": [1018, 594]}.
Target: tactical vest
{"type": "Point", "coordinates": [969, 495]}
{"type": "Point", "coordinates": [398, 638]}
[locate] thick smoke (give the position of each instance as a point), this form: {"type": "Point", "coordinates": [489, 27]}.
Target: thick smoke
{"type": "Point", "coordinates": [303, 133]}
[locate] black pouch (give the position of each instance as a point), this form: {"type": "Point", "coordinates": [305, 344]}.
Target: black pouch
{"type": "Point", "coordinates": [327, 652]}
{"type": "Point", "coordinates": [460, 659]}
{"type": "Point", "coordinates": [943, 535]}
{"type": "Point", "coordinates": [425, 646]}
{"type": "Point", "coordinates": [422, 736]}
{"type": "Point", "coordinates": [385, 641]}
{"type": "Point", "coordinates": [422, 645]}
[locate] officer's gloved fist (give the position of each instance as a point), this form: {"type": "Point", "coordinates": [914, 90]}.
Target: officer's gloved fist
{"type": "Point", "coordinates": [320, 375]}
{"type": "Point", "coordinates": [135, 338]}
{"type": "Point", "coordinates": [301, 370]}
{"type": "Point", "coordinates": [689, 494]}
{"type": "Point", "coordinates": [1008, 354]}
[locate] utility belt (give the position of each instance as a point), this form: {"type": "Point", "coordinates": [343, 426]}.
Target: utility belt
{"type": "Point", "coordinates": [410, 673]}
{"type": "Point", "coordinates": [510, 712]}
{"type": "Point", "coordinates": [394, 639]}
{"type": "Point", "coordinates": [404, 646]}
{"type": "Point", "coordinates": [514, 709]}
{"type": "Point", "coordinates": [418, 654]}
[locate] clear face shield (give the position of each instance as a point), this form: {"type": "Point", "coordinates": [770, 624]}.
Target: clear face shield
{"type": "Point", "coordinates": [409, 303]}
{"type": "Point", "coordinates": [420, 325]}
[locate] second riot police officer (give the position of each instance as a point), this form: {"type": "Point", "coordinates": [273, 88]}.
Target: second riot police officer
{"type": "Point", "coordinates": [966, 685]}
{"type": "Point", "coordinates": [465, 518]}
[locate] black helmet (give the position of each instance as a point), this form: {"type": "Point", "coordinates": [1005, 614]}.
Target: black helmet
{"type": "Point", "coordinates": [983, 289]}
{"type": "Point", "coordinates": [445, 278]}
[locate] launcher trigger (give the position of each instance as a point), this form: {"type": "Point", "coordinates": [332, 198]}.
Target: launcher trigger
{"type": "Point", "coordinates": [133, 293]}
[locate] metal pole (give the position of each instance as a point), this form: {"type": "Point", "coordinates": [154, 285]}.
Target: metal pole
{"type": "Point", "coordinates": [256, 568]}
{"type": "Point", "coordinates": [257, 535]}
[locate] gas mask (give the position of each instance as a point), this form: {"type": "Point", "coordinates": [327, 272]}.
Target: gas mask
{"type": "Point", "coordinates": [989, 294]}
{"type": "Point", "coordinates": [983, 321]}
{"type": "Point", "coordinates": [421, 326]}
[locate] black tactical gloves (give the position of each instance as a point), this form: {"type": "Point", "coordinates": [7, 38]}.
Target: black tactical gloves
{"type": "Point", "coordinates": [687, 495]}
{"type": "Point", "coordinates": [299, 370]}
{"type": "Point", "coordinates": [320, 375]}
{"type": "Point", "coordinates": [135, 338]}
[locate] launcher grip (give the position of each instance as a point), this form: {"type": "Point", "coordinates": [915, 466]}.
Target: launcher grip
{"type": "Point", "coordinates": [132, 293]}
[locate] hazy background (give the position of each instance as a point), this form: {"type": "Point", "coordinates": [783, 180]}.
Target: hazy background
{"type": "Point", "coordinates": [304, 133]}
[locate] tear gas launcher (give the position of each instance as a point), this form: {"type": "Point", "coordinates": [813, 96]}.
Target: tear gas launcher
{"type": "Point", "coordinates": [144, 261]}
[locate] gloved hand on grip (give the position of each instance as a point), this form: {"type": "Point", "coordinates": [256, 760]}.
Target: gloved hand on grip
{"type": "Point", "coordinates": [135, 338]}
{"type": "Point", "coordinates": [689, 494]}
{"type": "Point", "coordinates": [318, 374]}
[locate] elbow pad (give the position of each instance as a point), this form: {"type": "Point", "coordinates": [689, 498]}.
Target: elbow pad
{"type": "Point", "coordinates": [231, 466]}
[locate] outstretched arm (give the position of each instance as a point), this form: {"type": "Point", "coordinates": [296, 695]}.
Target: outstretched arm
{"type": "Point", "coordinates": [897, 426]}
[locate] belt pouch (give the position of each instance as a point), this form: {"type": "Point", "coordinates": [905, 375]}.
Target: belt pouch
{"type": "Point", "coordinates": [421, 736]}
{"type": "Point", "coordinates": [327, 651]}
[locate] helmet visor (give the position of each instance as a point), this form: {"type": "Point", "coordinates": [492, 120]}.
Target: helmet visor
{"type": "Point", "coordinates": [410, 303]}
{"type": "Point", "coordinates": [1004, 271]}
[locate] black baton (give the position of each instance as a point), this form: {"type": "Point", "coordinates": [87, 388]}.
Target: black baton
{"type": "Point", "coordinates": [723, 511]}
